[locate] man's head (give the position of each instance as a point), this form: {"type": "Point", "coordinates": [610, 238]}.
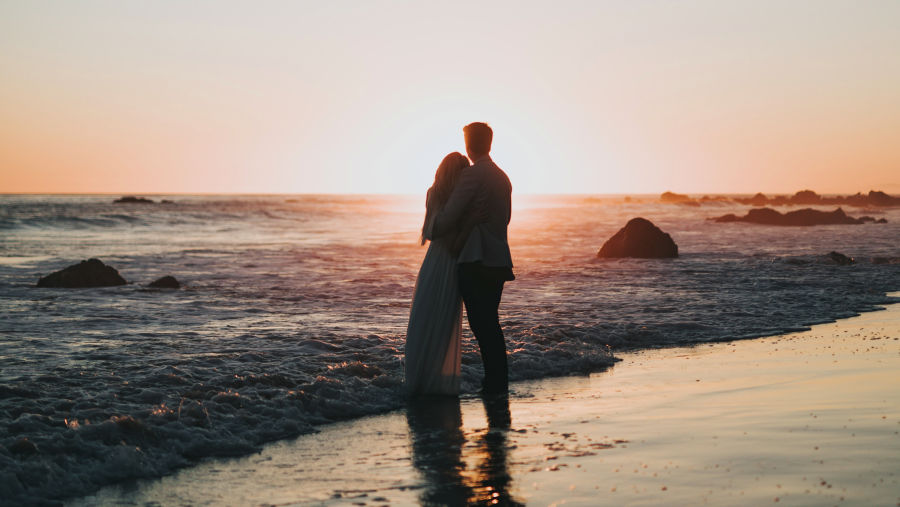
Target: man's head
{"type": "Point", "coordinates": [478, 139]}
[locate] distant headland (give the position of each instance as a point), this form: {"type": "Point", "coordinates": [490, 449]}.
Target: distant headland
{"type": "Point", "coordinates": [875, 198]}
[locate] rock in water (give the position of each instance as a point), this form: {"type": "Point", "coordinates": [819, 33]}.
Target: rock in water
{"type": "Point", "coordinates": [166, 282]}
{"type": "Point", "coordinates": [639, 238]}
{"type": "Point", "coordinates": [673, 197]}
{"type": "Point", "coordinates": [839, 258]}
{"type": "Point", "coordinates": [130, 199]}
{"type": "Point", "coordinates": [23, 446]}
{"type": "Point", "coordinates": [759, 199]}
{"type": "Point", "coordinates": [89, 273]}
{"type": "Point", "coordinates": [879, 198]}
{"type": "Point", "coordinates": [806, 197]}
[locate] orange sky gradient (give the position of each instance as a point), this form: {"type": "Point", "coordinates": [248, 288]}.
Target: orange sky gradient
{"type": "Point", "coordinates": [367, 97]}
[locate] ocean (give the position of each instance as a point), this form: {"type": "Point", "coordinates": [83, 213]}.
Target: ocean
{"type": "Point", "coordinates": [294, 309]}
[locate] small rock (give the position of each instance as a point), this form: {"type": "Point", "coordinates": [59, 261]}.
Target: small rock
{"type": "Point", "coordinates": [672, 197]}
{"type": "Point", "coordinates": [869, 219]}
{"type": "Point", "coordinates": [23, 446]}
{"type": "Point", "coordinates": [759, 199]}
{"type": "Point", "coordinates": [130, 199]}
{"type": "Point", "coordinates": [166, 282]}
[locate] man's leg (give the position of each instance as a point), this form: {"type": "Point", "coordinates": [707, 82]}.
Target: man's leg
{"type": "Point", "coordinates": [481, 294]}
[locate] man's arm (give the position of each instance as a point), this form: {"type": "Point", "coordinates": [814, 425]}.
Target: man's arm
{"type": "Point", "coordinates": [472, 218]}
{"type": "Point", "coordinates": [463, 193]}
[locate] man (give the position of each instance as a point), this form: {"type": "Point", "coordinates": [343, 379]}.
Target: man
{"type": "Point", "coordinates": [485, 263]}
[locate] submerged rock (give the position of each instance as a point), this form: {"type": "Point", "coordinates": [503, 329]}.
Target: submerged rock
{"type": "Point", "coordinates": [639, 238]}
{"type": "Point", "coordinates": [166, 282]}
{"type": "Point", "coordinates": [840, 259]}
{"type": "Point", "coordinates": [130, 199]}
{"type": "Point", "coordinates": [89, 273]}
{"type": "Point", "coordinates": [23, 446]}
{"type": "Point", "coordinates": [802, 217]}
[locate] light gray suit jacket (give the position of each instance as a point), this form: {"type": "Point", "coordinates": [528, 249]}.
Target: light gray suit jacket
{"type": "Point", "coordinates": [485, 186]}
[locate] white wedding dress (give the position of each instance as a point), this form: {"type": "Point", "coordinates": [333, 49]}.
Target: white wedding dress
{"type": "Point", "coordinates": [434, 334]}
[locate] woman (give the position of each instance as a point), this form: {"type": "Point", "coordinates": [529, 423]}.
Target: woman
{"type": "Point", "coordinates": [433, 348]}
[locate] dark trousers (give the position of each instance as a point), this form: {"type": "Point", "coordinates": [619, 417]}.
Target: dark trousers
{"type": "Point", "coordinates": [481, 288]}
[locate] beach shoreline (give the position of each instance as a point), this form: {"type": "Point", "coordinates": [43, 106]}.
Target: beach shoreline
{"type": "Point", "coordinates": [805, 418]}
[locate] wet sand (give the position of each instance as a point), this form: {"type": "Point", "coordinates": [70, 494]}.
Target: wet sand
{"type": "Point", "coordinates": [810, 418]}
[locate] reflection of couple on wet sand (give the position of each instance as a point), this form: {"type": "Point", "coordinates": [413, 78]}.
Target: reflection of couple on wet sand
{"type": "Point", "coordinates": [467, 212]}
{"type": "Point", "coordinates": [438, 442]}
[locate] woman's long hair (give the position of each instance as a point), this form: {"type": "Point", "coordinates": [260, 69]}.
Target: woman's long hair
{"type": "Point", "coordinates": [444, 180]}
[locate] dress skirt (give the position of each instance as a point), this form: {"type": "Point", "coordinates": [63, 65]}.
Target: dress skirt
{"type": "Point", "coordinates": [434, 334]}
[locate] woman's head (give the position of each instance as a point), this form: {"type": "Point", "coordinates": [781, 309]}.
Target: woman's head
{"type": "Point", "coordinates": [449, 170]}
{"type": "Point", "coordinates": [447, 173]}
{"type": "Point", "coordinates": [444, 179]}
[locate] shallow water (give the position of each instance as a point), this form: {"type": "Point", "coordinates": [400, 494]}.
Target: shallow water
{"type": "Point", "coordinates": [808, 418]}
{"type": "Point", "coordinates": [294, 309]}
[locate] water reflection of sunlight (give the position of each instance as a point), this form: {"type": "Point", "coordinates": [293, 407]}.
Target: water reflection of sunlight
{"type": "Point", "coordinates": [22, 261]}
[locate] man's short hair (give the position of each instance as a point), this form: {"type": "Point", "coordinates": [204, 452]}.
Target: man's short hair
{"type": "Point", "coordinates": [478, 138]}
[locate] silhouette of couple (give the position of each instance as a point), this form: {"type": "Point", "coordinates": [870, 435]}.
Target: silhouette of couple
{"type": "Point", "coordinates": [467, 212]}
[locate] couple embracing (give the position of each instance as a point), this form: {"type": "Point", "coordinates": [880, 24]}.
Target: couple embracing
{"type": "Point", "coordinates": [467, 262]}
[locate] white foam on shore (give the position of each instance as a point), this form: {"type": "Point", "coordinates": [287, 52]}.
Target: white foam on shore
{"type": "Point", "coordinates": [808, 418]}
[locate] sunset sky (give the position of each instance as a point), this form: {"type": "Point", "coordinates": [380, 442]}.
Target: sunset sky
{"type": "Point", "coordinates": [367, 96]}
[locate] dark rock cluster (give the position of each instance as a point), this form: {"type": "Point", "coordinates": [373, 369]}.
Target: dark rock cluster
{"type": "Point", "coordinates": [94, 273]}
{"type": "Point", "coordinates": [802, 217]}
{"type": "Point", "coordinates": [875, 198]}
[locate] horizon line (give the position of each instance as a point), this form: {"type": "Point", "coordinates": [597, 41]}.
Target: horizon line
{"type": "Point", "coordinates": [141, 194]}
